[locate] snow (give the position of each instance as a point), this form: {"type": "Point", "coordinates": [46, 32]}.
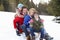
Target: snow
{"type": "Point", "coordinates": [7, 31]}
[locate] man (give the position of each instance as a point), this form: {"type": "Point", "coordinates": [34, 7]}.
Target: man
{"type": "Point", "coordinates": [26, 22]}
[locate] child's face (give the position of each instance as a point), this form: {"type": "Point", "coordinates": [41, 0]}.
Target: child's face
{"type": "Point", "coordinates": [32, 13]}
{"type": "Point", "coordinates": [36, 16]}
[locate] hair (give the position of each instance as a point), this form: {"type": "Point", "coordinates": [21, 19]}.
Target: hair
{"type": "Point", "coordinates": [33, 9]}
{"type": "Point", "coordinates": [23, 8]}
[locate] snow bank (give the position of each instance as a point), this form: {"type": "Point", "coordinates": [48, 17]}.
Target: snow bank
{"type": "Point", "coordinates": [7, 31]}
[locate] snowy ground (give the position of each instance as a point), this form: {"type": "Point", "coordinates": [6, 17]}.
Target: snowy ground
{"type": "Point", "coordinates": [7, 31]}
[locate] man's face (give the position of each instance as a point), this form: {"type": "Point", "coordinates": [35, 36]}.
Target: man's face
{"type": "Point", "coordinates": [25, 10]}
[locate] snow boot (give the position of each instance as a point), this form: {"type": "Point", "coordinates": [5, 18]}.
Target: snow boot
{"type": "Point", "coordinates": [47, 37]}
{"type": "Point", "coordinates": [18, 33]}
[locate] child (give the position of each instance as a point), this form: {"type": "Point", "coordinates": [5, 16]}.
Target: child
{"type": "Point", "coordinates": [36, 22]}
{"type": "Point", "coordinates": [36, 25]}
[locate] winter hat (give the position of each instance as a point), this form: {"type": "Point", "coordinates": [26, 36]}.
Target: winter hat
{"type": "Point", "coordinates": [20, 5]}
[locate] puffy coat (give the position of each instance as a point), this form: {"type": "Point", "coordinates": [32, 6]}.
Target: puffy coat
{"type": "Point", "coordinates": [18, 20]}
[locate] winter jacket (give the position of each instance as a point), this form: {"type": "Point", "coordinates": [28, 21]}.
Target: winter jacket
{"type": "Point", "coordinates": [27, 18]}
{"type": "Point", "coordinates": [36, 24]}
{"type": "Point", "coordinates": [18, 20]}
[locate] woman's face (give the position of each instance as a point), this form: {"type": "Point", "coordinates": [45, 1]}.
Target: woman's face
{"type": "Point", "coordinates": [19, 9]}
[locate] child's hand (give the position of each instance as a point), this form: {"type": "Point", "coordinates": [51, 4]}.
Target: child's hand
{"type": "Point", "coordinates": [31, 21]}
{"type": "Point", "coordinates": [42, 20]}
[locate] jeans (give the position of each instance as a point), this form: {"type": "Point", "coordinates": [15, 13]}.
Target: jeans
{"type": "Point", "coordinates": [24, 28]}
{"type": "Point", "coordinates": [32, 30]}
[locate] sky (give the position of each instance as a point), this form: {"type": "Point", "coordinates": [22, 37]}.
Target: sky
{"type": "Point", "coordinates": [42, 1]}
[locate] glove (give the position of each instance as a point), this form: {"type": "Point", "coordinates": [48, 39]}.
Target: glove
{"type": "Point", "coordinates": [31, 21]}
{"type": "Point", "coordinates": [16, 29]}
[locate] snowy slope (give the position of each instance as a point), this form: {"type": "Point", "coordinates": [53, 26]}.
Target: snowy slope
{"type": "Point", "coordinates": [7, 31]}
{"type": "Point", "coordinates": [51, 27]}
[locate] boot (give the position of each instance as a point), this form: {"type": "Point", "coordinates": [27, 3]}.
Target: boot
{"type": "Point", "coordinates": [18, 34]}
{"type": "Point", "coordinates": [47, 37]}
{"type": "Point", "coordinates": [33, 38]}
{"type": "Point", "coordinates": [28, 38]}
{"type": "Point", "coordinates": [41, 38]}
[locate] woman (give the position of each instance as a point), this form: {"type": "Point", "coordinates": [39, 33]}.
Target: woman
{"type": "Point", "coordinates": [19, 18]}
